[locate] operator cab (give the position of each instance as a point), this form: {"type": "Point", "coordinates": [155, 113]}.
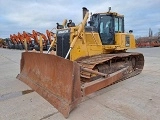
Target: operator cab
{"type": "Point", "coordinates": [107, 24]}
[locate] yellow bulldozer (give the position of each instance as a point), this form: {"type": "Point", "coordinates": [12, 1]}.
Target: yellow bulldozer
{"type": "Point", "coordinates": [87, 59]}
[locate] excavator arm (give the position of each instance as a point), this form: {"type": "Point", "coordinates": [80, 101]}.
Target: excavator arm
{"type": "Point", "coordinates": [21, 37]}
{"type": "Point", "coordinates": [35, 36]}
{"type": "Point", "coordinates": [12, 39]}
{"type": "Point", "coordinates": [45, 40]}
{"type": "Point", "coordinates": [27, 36]}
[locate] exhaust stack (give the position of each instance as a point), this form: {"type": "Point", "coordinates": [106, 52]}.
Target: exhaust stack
{"type": "Point", "coordinates": [84, 10]}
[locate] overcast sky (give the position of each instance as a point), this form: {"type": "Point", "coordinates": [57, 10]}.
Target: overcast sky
{"type": "Point", "coordinates": [40, 15]}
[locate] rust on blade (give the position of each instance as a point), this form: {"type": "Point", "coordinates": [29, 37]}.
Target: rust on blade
{"type": "Point", "coordinates": [54, 78]}
{"type": "Point", "coordinates": [63, 83]}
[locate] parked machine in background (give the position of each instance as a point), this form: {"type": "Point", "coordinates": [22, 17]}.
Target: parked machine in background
{"type": "Point", "coordinates": [3, 43]}
{"type": "Point", "coordinates": [32, 40]}
{"type": "Point", "coordinates": [143, 42]}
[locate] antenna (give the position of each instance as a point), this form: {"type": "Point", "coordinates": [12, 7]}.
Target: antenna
{"type": "Point", "coordinates": [109, 9]}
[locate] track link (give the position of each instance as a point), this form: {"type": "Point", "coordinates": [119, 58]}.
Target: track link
{"type": "Point", "coordinates": [110, 63]}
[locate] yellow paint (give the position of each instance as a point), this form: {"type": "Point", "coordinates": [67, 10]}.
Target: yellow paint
{"type": "Point", "coordinates": [84, 44]}
{"type": "Point", "coordinates": [41, 44]}
{"type": "Point", "coordinates": [120, 39]}
{"type": "Point", "coordinates": [89, 44]}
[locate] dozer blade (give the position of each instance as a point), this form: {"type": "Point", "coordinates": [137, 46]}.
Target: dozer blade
{"type": "Point", "coordinates": [54, 78]}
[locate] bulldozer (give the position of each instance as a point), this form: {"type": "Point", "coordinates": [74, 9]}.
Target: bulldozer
{"type": "Point", "coordinates": [87, 59]}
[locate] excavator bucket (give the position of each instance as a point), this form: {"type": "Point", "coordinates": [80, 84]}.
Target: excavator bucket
{"type": "Point", "coordinates": [54, 78]}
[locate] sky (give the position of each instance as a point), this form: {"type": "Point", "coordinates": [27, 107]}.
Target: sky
{"type": "Point", "coordinates": [41, 15]}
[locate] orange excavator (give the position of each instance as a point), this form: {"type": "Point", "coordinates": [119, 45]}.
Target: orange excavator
{"type": "Point", "coordinates": [37, 36]}
{"type": "Point", "coordinates": [32, 40]}
{"type": "Point", "coordinates": [44, 39]}
{"type": "Point", "coordinates": [21, 37]}
{"type": "Point", "coordinates": [51, 36]}
{"type": "Point", "coordinates": [12, 39]}
{"type": "Point", "coordinates": [11, 42]}
{"type": "Point", "coordinates": [51, 39]}
{"type": "Point", "coordinates": [16, 41]}
{"type": "Point", "coordinates": [27, 37]}
{"type": "Point", "coordinates": [21, 41]}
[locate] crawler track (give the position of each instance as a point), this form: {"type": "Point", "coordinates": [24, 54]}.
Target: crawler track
{"type": "Point", "coordinates": [110, 63]}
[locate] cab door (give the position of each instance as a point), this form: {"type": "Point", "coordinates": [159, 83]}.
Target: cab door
{"type": "Point", "coordinates": [106, 30]}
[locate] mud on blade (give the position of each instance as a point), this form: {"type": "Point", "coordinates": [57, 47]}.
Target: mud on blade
{"type": "Point", "coordinates": [54, 78]}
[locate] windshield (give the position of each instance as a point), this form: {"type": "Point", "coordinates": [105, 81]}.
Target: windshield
{"type": "Point", "coordinates": [95, 19]}
{"type": "Point", "coordinates": [107, 26]}
{"type": "Point", "coordinates": [106, 29]}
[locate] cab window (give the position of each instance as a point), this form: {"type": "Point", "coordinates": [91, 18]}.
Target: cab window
{"type": "Point", "coordinates": [118, 22]}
